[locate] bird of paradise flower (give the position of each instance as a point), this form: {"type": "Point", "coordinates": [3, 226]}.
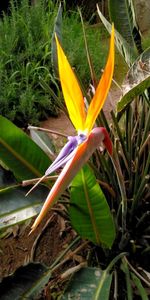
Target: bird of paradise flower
{"type": "Point", "coordinates": [79, 148]}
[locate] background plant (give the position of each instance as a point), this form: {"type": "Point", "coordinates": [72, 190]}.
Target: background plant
{"type": "Point", "coordinates": [25, 60]}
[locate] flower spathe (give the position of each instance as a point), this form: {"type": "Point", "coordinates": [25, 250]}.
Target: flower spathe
{"type": "Point", "coordinates": [78, 148]}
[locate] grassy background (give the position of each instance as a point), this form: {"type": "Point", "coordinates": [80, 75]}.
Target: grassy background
{"type": "Point", "coordinates": [25, 56]}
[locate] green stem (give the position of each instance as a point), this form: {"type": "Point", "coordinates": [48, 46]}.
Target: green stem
{"type": "Point", "coordinates": [121, 184]}
{"type": "Point", "coordinates": [55, 265]}
{"type": "Point", "coordinates": [141, 188]}
{"type": "Point", "coordinates": [114, 261]}
{"type": "Point", "coordinates": [47, 130]}
{"type": "Point", "coordinates": [142, 219]}
{"type": "Point", "coordinates": [146, 129]}
{"type": "Point", "coordinates": [119, 135]}
{"type": "Point", "coordinates": [107, 170]}
{"type": "Point", "coordinates": [136, 273]}
{"type": "Point", "coordinates": [91, 67]}
{"type": "Point", "coordinates": [104, 120]}
{"type": "Point", "coordinates": [140, 129]}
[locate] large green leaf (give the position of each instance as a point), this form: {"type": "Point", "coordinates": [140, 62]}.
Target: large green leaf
{"type": "Point", "coordinates": [89, 284]}
{"type": "Point", "coordinates": [123, 47]}
{"type": "Point", "coordinates": [16, 208]}
{"type": "Point", "coordinates": [19, 153]}
{"type": "Point", "coordinates": [137, 80]}
{"type": "Point", "coordinates": [136, 90]}
{"type": "Point", "coordinates": [89, 212]}
{"type": "Point", "coordinates": [26, 283]}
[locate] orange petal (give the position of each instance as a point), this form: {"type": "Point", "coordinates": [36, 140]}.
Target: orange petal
{"type": "Point", "coordinates": [102, 88]}
{"type": "Point", "coordinates": [71, 90]}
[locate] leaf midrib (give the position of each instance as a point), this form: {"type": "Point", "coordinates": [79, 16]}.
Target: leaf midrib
{"type": "Point", "coordinates": [20, 158]}
{"type": "Point", "coordinates": [90, 209]}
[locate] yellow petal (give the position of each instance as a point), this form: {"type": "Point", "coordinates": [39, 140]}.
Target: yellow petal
{"type": "Point", "coordinates": [71, 90]}
{"type": "Point", "coordinates": [102, 88]}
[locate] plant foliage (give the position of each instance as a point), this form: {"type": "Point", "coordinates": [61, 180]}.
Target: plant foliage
{"type": "Point", "coordinates": [25, 56]}
{"type": "Point", "coordinates": [26, 62]}
{"type": "Point", "coordinates": [89, 203]}
{"type": "Point", "coordinates": [124, 179]}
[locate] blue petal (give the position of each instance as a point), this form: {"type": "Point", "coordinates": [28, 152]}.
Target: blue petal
{"type": "Point", "coordinates": [66, 153]}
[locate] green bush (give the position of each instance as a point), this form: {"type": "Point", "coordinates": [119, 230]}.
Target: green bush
{"type": "Point", "coordinates": [25, 59]}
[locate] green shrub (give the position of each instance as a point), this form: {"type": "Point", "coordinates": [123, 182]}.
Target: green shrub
{"type": "Point", "coordinates": [25, 59]}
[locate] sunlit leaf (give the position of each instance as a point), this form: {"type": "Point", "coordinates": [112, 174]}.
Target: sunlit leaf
{"type": "Point", "coordinates": [89, 212]}
{"type": "Point", "coordinates": [137, 80]}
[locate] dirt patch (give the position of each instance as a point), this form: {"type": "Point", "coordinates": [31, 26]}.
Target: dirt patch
{"type": "Point", "coordinates": [23, 248]}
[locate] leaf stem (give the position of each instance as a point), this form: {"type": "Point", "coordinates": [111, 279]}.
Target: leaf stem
{"type": "Point", "coordinates": [141, 188]}
{"type": "Point", "coordinates": [121, 184]}
{"type": "Point", "coordinates": [34, 180]}
{"type": "Point", "coordinates": [137, 273]}
{"type": "Point", "coordinates": [48, 130]}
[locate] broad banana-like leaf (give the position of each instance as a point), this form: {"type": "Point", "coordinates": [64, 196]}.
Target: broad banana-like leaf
{"type": "Point", "coordinates": [19, 153]}
{"type": "Point", "coordinates": [89, 283]}
{"type": "Point", "coordinates": [15, 208]}
{"type": "Point", "coordinates": [26, 283]}
{"type": "Point", "coordinates": [123, 47]}
{"type": "Point", "coordinates": [89, 212]}
{"type": "Point", "coordinates": [137, 80]}
{"type": "Point", "coordinates": [122, 14]}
